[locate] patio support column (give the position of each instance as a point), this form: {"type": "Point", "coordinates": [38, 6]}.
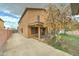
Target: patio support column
{"type": "Point", "coordinates": [39, 33]}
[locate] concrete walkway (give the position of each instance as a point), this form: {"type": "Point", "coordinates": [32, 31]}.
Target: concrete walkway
{"type": "Point", "coordinates": [19, 46]}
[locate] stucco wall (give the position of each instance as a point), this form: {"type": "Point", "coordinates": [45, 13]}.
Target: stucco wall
{"type": "Point", "coordinates": [4, 36]}
{"type": "Point", "coordinates": [1, 24]}
{"type": "Point", "coordinates": [31, 17]}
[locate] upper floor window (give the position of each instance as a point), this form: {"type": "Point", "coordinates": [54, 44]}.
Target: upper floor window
{"type": "Point", "coordinates": [38, 18]}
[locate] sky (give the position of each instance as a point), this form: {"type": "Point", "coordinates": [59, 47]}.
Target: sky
{"type": "Point", "coordinates": [14, 7]}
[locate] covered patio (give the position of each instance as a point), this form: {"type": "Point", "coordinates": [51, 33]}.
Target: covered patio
{"type": "Point", "coordinates": [37, 30]}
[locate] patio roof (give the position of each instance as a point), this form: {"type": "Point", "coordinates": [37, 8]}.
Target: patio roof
{"type": "Point", "coordinates": [37, 24]}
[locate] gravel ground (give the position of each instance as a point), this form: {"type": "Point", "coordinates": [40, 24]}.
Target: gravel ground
{"type": "Point", "coordinates": [17, 45]}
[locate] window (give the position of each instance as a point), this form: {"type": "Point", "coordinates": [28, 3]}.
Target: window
{"type": "Point", "coordinates": [38, 18]}
{"type": "Point", "coordinates": [42, 31]}
{"type": "Point", "coordinates": [34, 30]}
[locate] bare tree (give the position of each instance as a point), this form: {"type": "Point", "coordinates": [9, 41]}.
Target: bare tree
{"type": "Point", "coordinates": [58, 20]}
{"type": "Point", "coordinates": [66, 18]}
{"type": "Point", "coordinates": [53, 20]}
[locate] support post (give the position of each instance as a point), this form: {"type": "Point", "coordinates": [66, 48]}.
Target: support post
{"type": "Point", "coordinates": [39, 33]}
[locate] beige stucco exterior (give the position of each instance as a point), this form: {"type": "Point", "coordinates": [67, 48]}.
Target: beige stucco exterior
{"type": "Point", "coordinates": [1, 24]}
{"type": "Point", "coordinates": [30, 17]}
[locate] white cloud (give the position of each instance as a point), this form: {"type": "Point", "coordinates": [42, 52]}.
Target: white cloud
{"type": "Point", "coordinates": [76, 17]}
{"type": "Point", "coordinates": [6, 11]}
{"type": "Point", "coordinates": [10, 22]}
{"type": "Point", "coordinates": [11, 25]}
{"type": "Point", "coordinates": [11, 19]}
{"type": "Point", "coordinates": [9, 12]}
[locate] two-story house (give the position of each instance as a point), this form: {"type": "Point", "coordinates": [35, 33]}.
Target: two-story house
{"type": "Point", "coordinates": [32, 22]}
